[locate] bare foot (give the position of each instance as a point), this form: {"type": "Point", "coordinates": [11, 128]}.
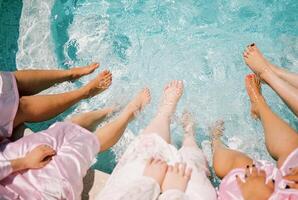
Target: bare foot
{"type": "Point", "coordinates": [99, 84]}
{"type": "Point", "coordinates": [108, 110]}
{"type": "Point", "coordinates": [216, 131]}
{"type": "Point", "coordinates": [176, 178]}
{"type": "Point", "coordinates": [139, 102]}
{"type": "Point", "coordinates": [253, 88]}
{"type": "Point", "coordinates": [172, 93]}
{"type": "Point", "coordinates": [255, 60]}
{"type": "Point", "coordinates": [156, 169]}
{"type": "Point", "coordinates": [189, 129]}
{"type": "Point", "coordinates": [78, 72]}
{"type": "Point", "coordinates": [188, 123]}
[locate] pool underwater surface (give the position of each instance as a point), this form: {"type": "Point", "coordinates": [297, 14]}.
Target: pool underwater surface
{"type": "Point", "coordinates": [148, 43]}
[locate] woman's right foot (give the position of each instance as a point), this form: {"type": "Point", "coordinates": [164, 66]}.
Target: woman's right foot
{"type": "Point", "coordinates": [99, 84]}
{"type": "Point", "coordinates": [256, 61]}
{"type": "Point", "coordinates": [177, 178]}
{"type": "Point", "coordinates": [188, 124]}
{"type": "Point", "coordinates": [172, 93]}
{"type": "Point", "coordinates": [138, 103]}
{"type": "Point", "coordinates": [253, 88]}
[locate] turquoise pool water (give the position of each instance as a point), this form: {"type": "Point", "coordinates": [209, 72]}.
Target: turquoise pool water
{"type": "Point", "coordinates": [149, 42]}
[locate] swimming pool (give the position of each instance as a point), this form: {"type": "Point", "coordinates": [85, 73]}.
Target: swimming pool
{"type": "Point", "coordinates": [149, 42]}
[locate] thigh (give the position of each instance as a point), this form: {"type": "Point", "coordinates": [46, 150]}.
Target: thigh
{"type": "Point", "coordinates": [225, 160]}
{"type": "Point", "coordinates": [199, 186]}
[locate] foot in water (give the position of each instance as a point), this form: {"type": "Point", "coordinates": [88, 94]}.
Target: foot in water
{"type": "Point", "coordinates": [253, 88]}
{"type": "Point", "coordinates": [99, 84]}
{"type": "Point", "coordinates": [216, 132]}
{"type": "Point", "coordinates": [78, 72]}
{"type": "Point", "coordinates": [176, 178]}
{"type": "Point", "coordinates": [138, 103]}
{"type": "Point", "coordinates": [188, 123]}
{"type": "Point", "coordinates": [256, 61]}
{"type": "Point", "coordinates": [171, 95]}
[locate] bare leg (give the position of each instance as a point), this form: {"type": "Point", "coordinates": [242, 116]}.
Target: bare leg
{"type": "Point", "coordinates": [161, 122]}
{"type": "Point", "coordinates": [280, 138]}
{"type": "Point", "coordinates": [90, 120]}
{"type": "Point", "coordinates": [285, 85]}
{"type": "Point", "coordinates": [199, 185]}
{"type": "Point", "coordinates": [188, 126]}
{"type": "Point", "coordinates": [31, 82]}
{"type": "Point", "coordinates": [225, 159]}
{"type": "Point", "coordinates": [44, 107]}
{"type": "Point", "coordinates": [290, 77]}
{"type": "Point", "coordinates": [111, 133]}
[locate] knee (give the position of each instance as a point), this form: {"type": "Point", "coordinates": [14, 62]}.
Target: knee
{"type": "Point", "coordinates": [26, 107]}
{"type": "Point", "coordinates": [219, 170]}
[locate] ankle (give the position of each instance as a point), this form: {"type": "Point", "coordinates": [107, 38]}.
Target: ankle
{"type": "Point", "coordinates": [267, 74]}
{"type": "Point", "coordinates": [69, 75]}
{"type": "Point", "coordinates": [127, 115]}
{"type": "Point", "coordinates": [85, 92]}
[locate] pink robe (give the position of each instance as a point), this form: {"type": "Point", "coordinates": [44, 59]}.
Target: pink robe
{"type": "Point", "coordinates": [229, 189]}
{"type": "Point", "coordinates": [9, 102]}
{"type": "Point", "coordinates": [62, 177]}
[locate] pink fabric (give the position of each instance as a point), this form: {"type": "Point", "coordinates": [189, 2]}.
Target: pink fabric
{"type": "Point", "coordinates": [62, 177]}
{"type": "Point", "coordinates": [229, 190]}
{"type": "Point", "coordinates": [9, 101]}
{"type": "Point", "coordinates": [5, 168]}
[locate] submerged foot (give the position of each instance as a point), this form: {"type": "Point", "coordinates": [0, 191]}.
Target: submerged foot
{"type": "Point", "coordinates": [217, 129]}
{"type": "Point", "coordinates": [188, 123]}
{"type": "Point", "coordinates": [78, 72]}
{"type": "Point", "coordinates": [216, 132]}
{"type": "Point", "coordinates": [99, 84]}
{"type": "Point", "coordinates": [176, 178]}
{"type": "Point", "coordinates": [256, 61]}
{"type": "Point", "coordinates": [253, 88]}
{"type": "Point", "coordinates": [139, 102]}
{"type": "Point", "coordinates": [172, 93]}
{"type": "Point", "coordinates": [108, 110]}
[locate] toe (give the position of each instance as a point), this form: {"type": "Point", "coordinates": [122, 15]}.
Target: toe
{"type": "Point", "coordinates": [94, 65]}
{"type": "Point", "coordinates": [182, 169]}
{"type": "Point", "coordinates": [176, 168]}
{"type": "Point", "coordinates": [170, 168]}
{"type": "Point", "coordinates": [172, 83]}
{"type": "Point", "coordinates": [245, 54]}
{"type": "Point", "coordinates": [187, 174]}
{"type": "Point", "coordinates": [150, 161]}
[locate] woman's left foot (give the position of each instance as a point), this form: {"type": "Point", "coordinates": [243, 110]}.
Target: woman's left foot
{"type": "Point", "coordinates": [255, 61]}
{"type": "Point", "coordinates": [99, 84]}
{"type": "Point", "coordinates": [78, 72]}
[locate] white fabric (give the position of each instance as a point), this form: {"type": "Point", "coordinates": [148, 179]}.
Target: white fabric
{"type": "Point", "coordinates": [131, 166]}
{"type": "Point", "coordinates": [1, 85]}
